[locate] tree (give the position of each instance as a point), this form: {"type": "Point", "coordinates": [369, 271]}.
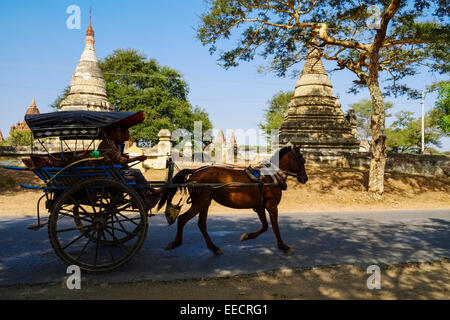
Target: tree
{"type": "Point", "coordinates": [19, 138]}
{"type": "Point", "coordinates": [405, 133]}
{"type": "Point", "coordinates": [60, 98]}
{"type": "Point", "coordinates": [440, 115]}
{"type": "Point", "coordinates": [134, 83]}
{"type": "Point", "coordinates": [363, 110]}
{"type": "Point", "coordinates": [402, 37]}
{"type": "Point", "coordinates": [274, 114]}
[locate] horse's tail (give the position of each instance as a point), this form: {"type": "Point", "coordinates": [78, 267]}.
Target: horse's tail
{"type": "Point", "coordinates": [169, 193]}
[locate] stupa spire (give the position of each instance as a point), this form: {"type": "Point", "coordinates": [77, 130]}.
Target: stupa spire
{"type": "Point", "coordinates": [87, 87]}
{"type": "Point", "coordinates": [22, 126]}
{"type": "Point", "coordinates": [233, 138]}
{"type": "Point", "coordinates": [90, 34]}
{"type": "Point", "coordinates": [220, 137]}
{"type": "Point", "coordinates": [33, 109]}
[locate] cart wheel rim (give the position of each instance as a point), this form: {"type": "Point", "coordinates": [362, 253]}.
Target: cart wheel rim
{"type": "Point", "coordinates": [98, 224]}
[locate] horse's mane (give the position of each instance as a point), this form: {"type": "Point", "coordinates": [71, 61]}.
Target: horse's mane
{"type": "Point", "coordinates": [280, 153]}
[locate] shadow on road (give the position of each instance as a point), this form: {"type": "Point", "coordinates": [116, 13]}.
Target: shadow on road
{"type": "Point", "coordinates": [318, 239]}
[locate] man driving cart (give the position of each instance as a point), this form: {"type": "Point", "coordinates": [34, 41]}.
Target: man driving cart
{"type": "Point", "coordinates": [113, 138]}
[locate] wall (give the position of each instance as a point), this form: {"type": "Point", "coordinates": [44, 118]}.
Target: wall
{"type": "Point", "coordinates": [426, 165]}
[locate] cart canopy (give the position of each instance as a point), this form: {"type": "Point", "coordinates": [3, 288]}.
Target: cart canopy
{"type": "Point", "coordinates": [79, 124]}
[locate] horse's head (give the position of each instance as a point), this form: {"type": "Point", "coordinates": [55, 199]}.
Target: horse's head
{"type": "Point", "coordinates": [292, 163]}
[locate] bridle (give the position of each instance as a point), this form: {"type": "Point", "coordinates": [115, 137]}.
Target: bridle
{"type": "Point", "coordinates": [300, 161]}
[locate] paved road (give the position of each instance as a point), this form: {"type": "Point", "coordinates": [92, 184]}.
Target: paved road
{"type": "Point", "coordinates": [362, 238]}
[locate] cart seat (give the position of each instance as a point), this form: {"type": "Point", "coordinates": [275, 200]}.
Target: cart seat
{"type": "Point", "coordinates": [37, 162]}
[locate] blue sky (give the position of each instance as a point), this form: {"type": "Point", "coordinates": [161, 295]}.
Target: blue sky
{"type": "Point", "coordinates": [38, 55]}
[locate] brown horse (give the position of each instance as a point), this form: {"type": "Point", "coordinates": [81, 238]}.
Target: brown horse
{"type": "Point", "coordinates": [291, 162]}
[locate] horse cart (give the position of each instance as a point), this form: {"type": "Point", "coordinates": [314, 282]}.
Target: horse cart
{"type": "Point", "coordinates": [97, 218]}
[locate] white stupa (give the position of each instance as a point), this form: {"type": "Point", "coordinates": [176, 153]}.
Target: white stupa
{"type": "Point", "coordinates": [87, 87]}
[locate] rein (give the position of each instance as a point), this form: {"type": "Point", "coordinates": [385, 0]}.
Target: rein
{"type": "Point", "coordinates": [286, 172]}
{"type": "Point", "coordinates": [289, 173]}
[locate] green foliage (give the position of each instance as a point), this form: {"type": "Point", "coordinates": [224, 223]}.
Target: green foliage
{"type": "Point", "coordinates": [274, 114]}
{"type": "Point", "coordinates": [19, 138]}
{"type": "Point", "coordinates": [60, 98]}
{"type": "Point", "coordinates": [134, 83]}
{"type": "Point", "coordinates": [405, 133]}
{"type": "Point", "coordinates": [417, 34]}
{"type": "Point", "coordinates": [363, 110]}
{"type": "Point", "coordinates": [441, 113]}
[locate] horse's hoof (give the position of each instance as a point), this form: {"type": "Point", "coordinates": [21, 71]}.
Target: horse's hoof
{"type": "Point", "coordinates": [244, 237]}
{"type": "Point", "coordinates": [218, 251]}
{"type": "Point", "coordinates": [288, 251]}
{"type": "Point", "coordinates": [171, 246]}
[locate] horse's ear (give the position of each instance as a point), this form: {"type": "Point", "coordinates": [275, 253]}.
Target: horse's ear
{"type": "Point", "coordinates": [297, 148]}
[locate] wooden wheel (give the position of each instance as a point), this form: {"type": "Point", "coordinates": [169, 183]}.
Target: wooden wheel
{"type": "Point", "coordinates": [98, 224]}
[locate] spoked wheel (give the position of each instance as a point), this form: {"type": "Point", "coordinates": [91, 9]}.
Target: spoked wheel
{"type": "Point", "coordinates": [98, 224]}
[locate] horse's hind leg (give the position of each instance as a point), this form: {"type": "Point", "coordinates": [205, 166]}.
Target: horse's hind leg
{"type": "Point", "coordinates": [182, 220]}
{"type": "Point", "coordinates": [253, 235]}
{"type": "Point", "coordinates": [273, 213]}
{"type": "Point", "coordinates": [202, 226]}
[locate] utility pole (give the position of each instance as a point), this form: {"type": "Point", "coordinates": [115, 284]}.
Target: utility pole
{"type": "Point", "coordinates": [423, 120]}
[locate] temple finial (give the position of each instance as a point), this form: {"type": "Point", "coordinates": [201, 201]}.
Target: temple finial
{"type": "Point", "coordinates": [33, 109]}
{"type": "Point", "coordinates": [90, 30]}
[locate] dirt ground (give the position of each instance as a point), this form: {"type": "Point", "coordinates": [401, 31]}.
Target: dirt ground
{"type": "Point", "coordinates": [403, 281]}
{"type": "Point", "coordinates": [327, 190]}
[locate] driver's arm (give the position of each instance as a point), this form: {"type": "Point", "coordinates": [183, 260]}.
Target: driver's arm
{"type": "Point", "coordinates": [139, 158]}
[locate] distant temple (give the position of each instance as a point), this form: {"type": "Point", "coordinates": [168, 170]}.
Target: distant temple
{"type": "Point", "coordinates": [233, 139]}
{"type": "Point", "coordinates": [22, 126]}
{"type": "Point", "coordinates": [220, 137]}
{"type": "Point", "coordinates": [314, 118]}
{"type": "Point", "coordinates": [87, 87]}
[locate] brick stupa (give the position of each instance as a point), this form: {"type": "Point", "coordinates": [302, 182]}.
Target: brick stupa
{"type": "Point", "coordinates": [314, 118]}
{"type": "Point", "coordinates": [22, 126]}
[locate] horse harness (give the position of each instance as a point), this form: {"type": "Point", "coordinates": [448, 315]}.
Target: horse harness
{"type": "Point", "coordinates": [256, 174]}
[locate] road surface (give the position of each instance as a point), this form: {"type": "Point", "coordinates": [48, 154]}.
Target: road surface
{"type": "Point", "coordinates": [327, 238]}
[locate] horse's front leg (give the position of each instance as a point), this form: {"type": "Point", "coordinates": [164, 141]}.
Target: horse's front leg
{"type": "Point", "coordinates": [202, 226]}
{"type": "Point", "coordinates": [182, 220]}
{"type": "Point", "coordinates": [265, 225]}
{"type": "Point", "coordinates": [273, 213]}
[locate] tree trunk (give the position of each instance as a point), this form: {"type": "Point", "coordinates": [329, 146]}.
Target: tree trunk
{"type": "Point", "coordinates": [377, 124]}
